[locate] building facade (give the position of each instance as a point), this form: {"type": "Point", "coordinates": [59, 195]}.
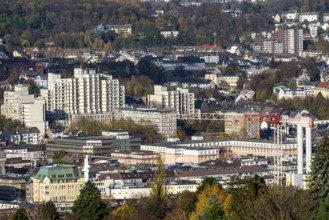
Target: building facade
{"type": "Point", "coordinates": [180, 101]}
{"type": "Point", "coordinates": [200, 151]}
{"type": "Point", "coordinates": [292, 39]}
{"type": "Point", "coordinates": [165, 122]}
{"type": "Point", "coordinates": [57, 183]}
{"type": "Point", "coordinates": [88, 92]}
{"type": "Point", "coordinates": [20, 105]}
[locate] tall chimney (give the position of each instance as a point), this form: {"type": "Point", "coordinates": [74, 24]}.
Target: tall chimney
{"type": "Point", "coordinates": [299, 149]}
{"type": "Point", "coordinates": [86, 168]}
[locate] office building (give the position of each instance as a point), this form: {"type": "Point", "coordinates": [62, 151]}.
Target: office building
{"type": "Point", "coordinates": [92, 145]}
{"type": "Point", "coordinates": [88, 92]}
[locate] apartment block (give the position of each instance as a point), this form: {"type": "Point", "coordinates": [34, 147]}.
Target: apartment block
{"type": "Point", "coordinates": [165, 122]}
{"type": "Point", "coordinates": [13, 187]}
{"type": "Point", "coordinates": [57, 183]}
{"type": "Point", "coordinates": [308, 16]}
{"type": "Point", "coordinates": [20, 105]}
{"type": "Point", "coordinates": [19, 135]}
{"type": "Point", "coordinates": [180, 101]}
{"type": "Point", "coordinates": [88, 92]}
{"type": "Point", "coordinates": [292, 39]}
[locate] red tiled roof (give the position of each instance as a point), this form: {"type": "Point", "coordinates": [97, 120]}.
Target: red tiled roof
{"type": "Point", "coordinates": [323, 85]}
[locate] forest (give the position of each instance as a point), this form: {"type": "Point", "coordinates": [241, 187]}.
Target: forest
{"type": "Point", "coordinates": [28, 23]}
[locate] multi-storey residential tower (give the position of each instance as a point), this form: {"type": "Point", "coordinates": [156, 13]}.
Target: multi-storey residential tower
{"type": "Point", "coordinates": [88, 92]}
{"type": "Point", "coordinates": [20, 105]}
{"type": "Point", "coordinates": [180, 101]}
{"type": "Point", "coordinates": [292, 39]}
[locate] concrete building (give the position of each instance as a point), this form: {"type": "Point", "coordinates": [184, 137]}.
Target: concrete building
{"type": "Point", "coordinates": [135, 158]}
{"type": "Point", "coordinates": [13, 187]}
{"type": "Point", "coordinates": [91, 145]}
{"type": "Point", "coordinates": [180, 101]}
{"type": "Point", "coordinates": [88, 92]}
{"type": "Point", "coordinates": [292, 39]}
{"type": "Point", "coordinates": [204, 150]}
{"type": "Point", "coordinates": [165, 122]}
{"type": "Point", "coordinates": [57, 183]}
{"type": "Point", "coordinates": [20, 105]}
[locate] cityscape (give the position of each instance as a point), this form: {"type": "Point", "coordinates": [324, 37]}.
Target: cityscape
{"type": "Point", "coordinates": [164, 109]}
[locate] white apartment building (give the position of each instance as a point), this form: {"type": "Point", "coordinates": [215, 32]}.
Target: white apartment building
{"type": "Point", "coordinates": [283, 92]}
{"type": "Point", "coordinates": [166, 122]}
{"type": "Point", "coordinates": [19, 105]}
{"type": "Point", "coordinates": [210, 58]}
{"type": "Point", "coordinates": [88, 92]}
{"type": "Point", "coordinates": [308, 16]}
{"type": "Point", "coordinates": [180, 101]}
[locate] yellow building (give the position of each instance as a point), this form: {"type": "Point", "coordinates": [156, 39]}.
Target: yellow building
{"type": "Point", "coordinates": [323, 88]}
{"type": "Point", "coordinates": [57, 183]}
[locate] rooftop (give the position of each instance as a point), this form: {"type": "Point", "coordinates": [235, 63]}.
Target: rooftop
{"type": "Point", "coordinates": [58, 172]}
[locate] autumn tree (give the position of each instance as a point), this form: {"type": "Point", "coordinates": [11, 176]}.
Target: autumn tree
{"type": "Point", "coordinates": [212, 203]}
{"type": "Point", "coordinates": [158, 198]}
{"type": "Point", "coordinates": [191, 205]}
{"type": "Point", "coordinates": [124, 212]}
{"type": "Point", "coordinates": [278, 203]}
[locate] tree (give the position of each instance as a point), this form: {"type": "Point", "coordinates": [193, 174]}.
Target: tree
{"type": "Point", "coordinates": [278, 203]}
{"type": "Point", "coordinates": [319, 176]}
{"type": "Point", "coordinates": [89, 204]}
{"type": "Point", "coordinates": [212, 203]}
{"type": "Point", "coordinates": [208, 181]}
{"type": "Point", "coordinates": [323, 212]}
{"type": "Point", "coordinates": [158, 198]}
{"type": "Point", "coordinates": [124, 212]}
{"type": "Point", "coordinates": [20, 214]}
{"type": "Point", "coordinates": [49, 211]}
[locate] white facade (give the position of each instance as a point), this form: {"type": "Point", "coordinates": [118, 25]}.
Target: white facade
{"type": "Point", "coordinates": [308, 16]}
{"type": "Point", "coordinates": [180, 101]}
{"type": "Point", "coordinates": [283, 92]}
{"type": "Point", "coordinates": [19, 105]}
{"type": "Point", "coordinates": [166, 122]}
{"type": "Point", "coordinates": [87, 93]}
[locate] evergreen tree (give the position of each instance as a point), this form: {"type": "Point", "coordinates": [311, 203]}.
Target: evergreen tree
{"type": "Point", "coordinates": [20, 214]}
{"type": "Point", "coordinates": [158, 199]}
{"type": "Point", "coordinates": [89, 204]}
{"type": "Point", "coordinates": [323, 213]}
{"type": "Point", "coordinates": [319, 176]}
{"type": "Point", "coordinates": [49, 211]}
